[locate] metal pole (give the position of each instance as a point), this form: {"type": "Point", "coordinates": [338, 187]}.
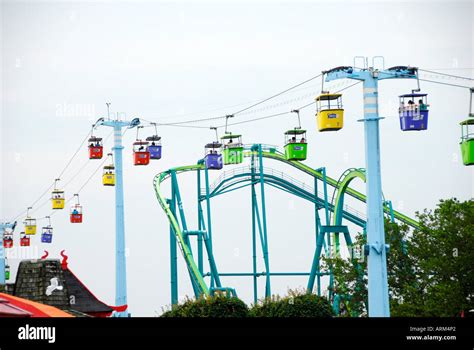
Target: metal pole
{"type": "Point", "coordinates": [173, 254]}
{"type": "Point", "coordinates": [254, 234]}
{"type": "Point", "coordinates": [120, 259]}
{"type": "Point", "coordinates": [316, 219]}
{"type": "Point", "coordinates": [209, 227]}
{"type": "Point", "coordinates": [377, 266]}
{"type": "Point", "coordinates": [200, 228]}
{"type": "Point", "coordinates": [264, 222]}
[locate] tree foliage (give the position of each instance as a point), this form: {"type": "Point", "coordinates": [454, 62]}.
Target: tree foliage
{"type": "Point", "coordinates": [211, 306]}
{"type": "Point", "coordinates": [430, 270]}
{"type": "Point", "coordinates": [295, 304]}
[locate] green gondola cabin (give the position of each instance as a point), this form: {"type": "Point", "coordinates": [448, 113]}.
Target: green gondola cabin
{"type": "Point", "coordinates": [467, 141]}
{"type": "Point", "coordinates": [233, 149]}
{"type": "Point", "coordinates": [295, 144]}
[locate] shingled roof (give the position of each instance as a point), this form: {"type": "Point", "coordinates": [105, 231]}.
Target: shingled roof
{"type": "Point", "coordinates": [35, 276]}
{"type": "Point", "coordinates": [82, 299]}
{"type": "Point", "coordinates": [35, 281]}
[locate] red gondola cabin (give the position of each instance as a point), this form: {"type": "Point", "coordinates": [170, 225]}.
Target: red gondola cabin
{"type": "Point", "coordinates": [7, 242]}
{"type": "Point", "coordinates": [141, 155]}
{"type": "Point", "coordinates": [96, 149]}
{"type": "Point", "coordinates": [25, 241]}
{"type": "Point", "coordinates": [76, 214]}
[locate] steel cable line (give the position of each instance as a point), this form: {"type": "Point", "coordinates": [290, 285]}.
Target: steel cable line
{"type": "Point", "coordinates": [82, 187]}
{"type": "Point", "coordinates": [85, 164]}
{"type": "Point", "coordinates": [284, 113]}
{"type": "Point", "coordinates": [449, 84]}
{"type": "Point", "coordinates": [244, 121]}
{"type": "Point", "coordinates": [448, 75]}
{"type": "Point", "coordinates": [34, 209]}
{"type": "Point", "coordinates": [62, 172]}
{"type": "Point", "coordinates": [79, 190]}
{"type": "Point", "coordinates": [278, 94]}
{"type": "Point", "coordinates": [244, 109]}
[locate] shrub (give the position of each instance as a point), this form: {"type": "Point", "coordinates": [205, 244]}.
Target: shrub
{"type": "Point", "coordinates": [211, 306]}
{"type": "Point", "coordinates": [296, 304]}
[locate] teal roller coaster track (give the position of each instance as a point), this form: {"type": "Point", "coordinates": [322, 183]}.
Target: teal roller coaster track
{"type": "Point", "coordinates": [257, 176]}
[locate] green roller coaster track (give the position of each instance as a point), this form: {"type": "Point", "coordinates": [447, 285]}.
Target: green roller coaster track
{"type": "Point", "coordinates": [251, 176]}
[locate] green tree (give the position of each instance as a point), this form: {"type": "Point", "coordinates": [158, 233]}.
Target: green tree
{"type": "Point", "coordinates": [442, 254]}
{"type": "Point", "coordinates": [430, 271]}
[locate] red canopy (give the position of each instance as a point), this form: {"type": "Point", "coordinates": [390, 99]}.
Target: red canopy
{"type": "Point", "coordinates": [11, 306]}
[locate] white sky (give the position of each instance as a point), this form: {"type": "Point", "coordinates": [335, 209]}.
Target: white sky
{"type": "Point", "coordinates": [171, 61]}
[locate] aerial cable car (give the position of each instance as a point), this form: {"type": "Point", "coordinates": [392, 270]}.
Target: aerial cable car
{"type": "Point", "coordinates": [96, 148]}
{"type": "Point", "coordinates": [213, 156]}
{"type": "Point", "coordinates": [108, 174]}
{"type": "Point", "coordinates": [233, 149]}
{"type": "Point", "coordinates": [467, 136]}
{"type": "Point", "coordinates": [414, 113]}
{"type": "Point", "coordinates": [7, 270]}
{"type": "Point", "coordinates": [47, 232]}
{"type": "Point", "coordinates": [141, 155]}
{"type": "Point", "coordinates": [57, 196]}
{"type": "Point", "coordinates": [24, 240]}
{"type": "Point", "coordinates": [296, 145]}
{"type": "Point", "coordinates": [8, 239]}
{"type": "Point", "coordinates": [30, 223]}
{"type": "Point", "coordinates": [329, 111]}
{"type": "Point", "coordinates": [155, 145]}
{"type": "Point", "coordinates": [76, 211]}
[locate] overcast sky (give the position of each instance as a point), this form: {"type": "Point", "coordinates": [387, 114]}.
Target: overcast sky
{"type": "Point", "coordinates": [164, 61]}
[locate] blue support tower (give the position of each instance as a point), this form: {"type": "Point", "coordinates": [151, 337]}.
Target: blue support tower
{"type": "Point", "coordinates": [120, 259]}
{"type": "Point", "coordinates": [377, 260]}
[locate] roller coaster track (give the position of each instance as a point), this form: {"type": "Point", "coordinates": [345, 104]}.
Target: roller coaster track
{"type": "Point", "coordinates": [306, 190]}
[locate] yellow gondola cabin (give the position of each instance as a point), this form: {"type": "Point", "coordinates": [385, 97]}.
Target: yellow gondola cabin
{"type": "Point", "coordinates": [329, 112]}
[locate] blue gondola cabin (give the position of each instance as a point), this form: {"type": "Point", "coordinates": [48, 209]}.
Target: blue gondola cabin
{"type": "Point", "coordinates": [154, 146]}
{"type": "Point", "coordinates": [413, 112]}
{"type": "Point", "coordinates": [47, 234]}
{"type": "Point", "coordinates": [213, 156]}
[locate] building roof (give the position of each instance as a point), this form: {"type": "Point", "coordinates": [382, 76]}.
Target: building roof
{"type": "Point", "coordinates": [34, 281]}
{"type": "Point", "coordinates": [7, 309]}
{"type": "Point", "coordinates": [30, 308]}
{"type": "Point", "coordinates": [81, 297]}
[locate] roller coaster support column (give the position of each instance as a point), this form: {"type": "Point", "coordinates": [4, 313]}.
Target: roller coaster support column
{"type": "Point", "coordinates": [209, 227]}
{"type": "Point", "coordinates": [328, 247]}
{"type": "Point", "coordinates": [3, 226]}
{"type": "Point", "coordinates": [315, 267]}
{"type": "Point", "coordinates": [201, 225]}
{"type": "Point", "coordinates": [120, 259]}
{"type": "Point", "coordinates": [317, 226]}
{"type": "Point", "coordinates": [264, 222]}
{"type": "Point", "coordinates": [377, 260]}
{"type": "Point", "coordinates": [173, 255]}
{"type": "Point", "coordinates": [254, 233]}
